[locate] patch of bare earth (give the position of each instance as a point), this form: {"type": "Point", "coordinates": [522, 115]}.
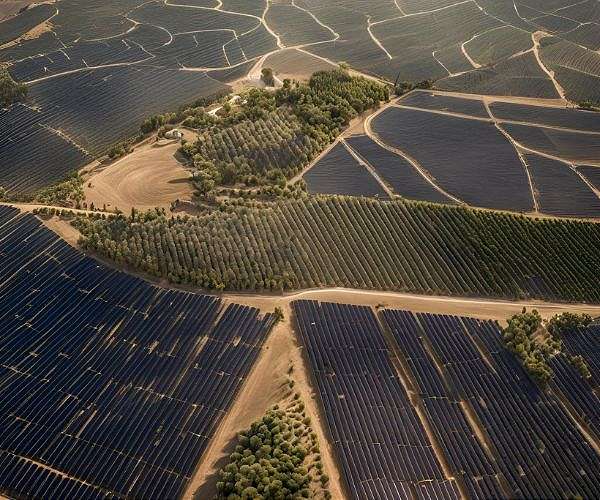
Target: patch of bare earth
{"type": "Point", "coordinates": [63, 228]}
{"type": "Point", "coordinates": [268, 384]}
{"type": "Point", "coordinates": [149, 177]}
{"type": "Point", "coordinates": [295, 65]}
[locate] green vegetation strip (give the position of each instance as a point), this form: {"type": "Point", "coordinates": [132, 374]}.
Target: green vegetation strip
{"type": "Point", "coordinates": [360, 243]}
{"type": "Point", "coordinates": [277, 457]}
{"type": "Point", "coordinates": [265, 137]}
{"type": "Point", "coordinates": [10, 91]}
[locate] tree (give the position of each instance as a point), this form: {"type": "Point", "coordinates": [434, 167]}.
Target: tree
{"type": "Point", "coordinates": [10, 91]}
{"type": "Point", "coordinates": [567, 322]}
{"type": "Point", "coordinates": [267, 77]}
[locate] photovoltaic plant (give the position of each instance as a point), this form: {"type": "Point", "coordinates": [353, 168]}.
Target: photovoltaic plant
{"type": "Point", "coordinates": [425, 406]}
{"type": "Point", "coordinates": [110, 387]}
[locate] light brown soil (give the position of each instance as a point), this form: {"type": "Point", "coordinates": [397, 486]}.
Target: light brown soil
{"type": "Point", "coordinates": [295, 65]}
{"type": "Point", "coordinates": [64, 229]}
{"type": "Point", "coordinates": [267, 385]}
{"type": "Point", "coordinates": [149, 177]}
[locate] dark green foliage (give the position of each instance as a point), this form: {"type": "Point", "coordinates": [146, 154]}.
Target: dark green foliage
{"type": "Point", "coordinates": [565, 323]}
{"type": "Point", "coordinates": [267, 137]}
{"type": "Point", "coordinates": [70, 191]}
{"type": "Point", "coordinates": [267, 77]}
{"type": "Point", "coordinates": [10, 91]}
{"type": "Point", "coordinates": [279, 317]}
{"type": "Point", "coordinates": [579, 363]}
{"type": "Point", "coordinates": [361, 243]}
{"type": "Point", "coordinates": [265, 464]}
{"type": "Point", "coordinates": [402, 88]}
{"type": "Point", "coordinates": [589, 105]}
{"type": "Point", "coordinates": [119, 150]}
{"type": "Point", "coordinates": [519, 337]}
{"type": "Point", "coordinates": [186, 114]}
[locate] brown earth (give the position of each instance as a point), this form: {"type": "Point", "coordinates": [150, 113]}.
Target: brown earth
{"type": "Point", "coordinates": [149, 177]}
{"type": "Point", "coordinates": [295, 65]}
{"type": "Point", "coordinates": [267, 384]}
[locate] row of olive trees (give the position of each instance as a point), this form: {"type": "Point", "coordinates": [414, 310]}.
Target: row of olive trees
{"type": "Point", "coordinates": [360, 243]}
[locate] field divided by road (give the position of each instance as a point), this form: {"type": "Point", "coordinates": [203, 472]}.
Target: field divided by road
{"type": "Point", "coordinates": [456, 411]}
{"type": "Point", "coordinates": [109, 387]}
{"type": "Point", "coordinates": [480, 151]}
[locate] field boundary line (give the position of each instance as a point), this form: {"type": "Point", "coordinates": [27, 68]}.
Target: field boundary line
{"type": "Point", "coordinates": [525, 165]}
{"type": "Point", "coordinates": [416, 165]}
{"type": "Point", "coordinates": [536, 37]}
{"type": "Point", "coordinates": [365, 164]}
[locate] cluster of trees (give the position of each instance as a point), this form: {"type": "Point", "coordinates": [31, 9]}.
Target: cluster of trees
{"type": "Point", "coordinates": [119, 150]}
{"type": "Point", "coordinates": [266, 75]}
{"type": "Point", "coordinates": [520, 337]}
{"type": "Point", "coordinates": [10, 91]}
{"type": "Point", "coordinates": [404, 87]}
{"type": "Point", "coordinates": [526, 337]}
{"type": "Point", "coordinates": [276, 458]}
{"type": "Point", "coordinates": [567, 322]}
{"type": "Point", "coordinates": [360, 243]}
{"type": "Point", "coordinates": [589, 105]}
{"type": "Point", "coordinates": [268, 137]}
{"type": "Point", "coordinates": [266, 150]}
{"type": "Point", "coordinates": [154, 123]}
{"type": "Point", "coordinates": [68, 192]}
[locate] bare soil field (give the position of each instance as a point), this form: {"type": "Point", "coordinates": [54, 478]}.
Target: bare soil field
{"type": "Point", "coordinates": [267, 385]}
{"type": "Point", "coordinates": [295, 65]}
{"type": "Point", "coordinates": [149, 177]}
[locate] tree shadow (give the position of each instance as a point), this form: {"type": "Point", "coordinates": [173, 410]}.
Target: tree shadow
{"type": "Point", "coordinates": [208, 489]}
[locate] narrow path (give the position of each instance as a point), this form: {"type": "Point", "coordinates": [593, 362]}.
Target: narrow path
{"type": "Point", "coordinates": [422, 171]}
{"type": "Point", "coordinates": [423, 12]}
{"type": "Point", "coordinates": [497, 120]}
{"type": "Point", "coordinates": [376, 40]}
{"type": "Point", "coordinates": [509, 138]}
{"type": "Point", "coordinates": [369, 167]}
{"type": "Point", "coordinates": [536, 37]}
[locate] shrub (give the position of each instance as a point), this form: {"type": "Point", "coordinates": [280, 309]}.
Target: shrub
{"type": "Point", "coordinates": [10, 91]}
{"type": "Point", "coordinates": [566, 322]}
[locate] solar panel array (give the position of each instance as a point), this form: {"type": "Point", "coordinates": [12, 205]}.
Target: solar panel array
{"type": "Point", "coordinates": [582, 394]}
{"type": "Point", "coordinates": [498, 433]}
{"type": "Point", "coordinates": [382, 445]}
{"type": "Point", "coordinates": [110, 387]}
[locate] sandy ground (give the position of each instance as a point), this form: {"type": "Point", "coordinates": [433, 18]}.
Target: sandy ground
{"type": "Point", "coordinates": [266, 386]}
{"type": "Point", "coordinates": [295, 65]}
{"type": "Point", "coordinates": [149, 177]}
{"type": "Point", "coordinates": [64, 229]}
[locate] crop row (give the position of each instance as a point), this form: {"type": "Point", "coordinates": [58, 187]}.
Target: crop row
{"type": "Point", "coordinates": [360, 243]}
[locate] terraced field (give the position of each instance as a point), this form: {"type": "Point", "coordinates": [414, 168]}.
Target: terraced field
{"type": "Point", "coordinates": [149, 57]}
{"type": "Point", "coordinates": [476, 192]}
